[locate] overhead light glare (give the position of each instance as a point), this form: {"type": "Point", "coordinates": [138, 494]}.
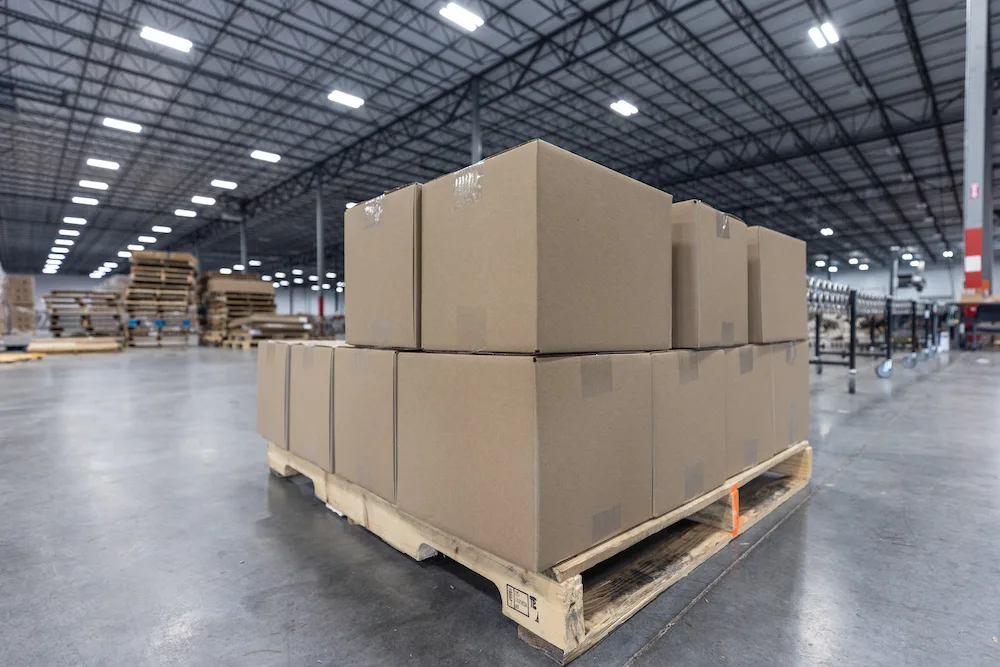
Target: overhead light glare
{"type": "Point", "coordinates": [94, 185]}
{"type": "Point", "coordinates": [166, 39]}
{"type": "Point", "coordinates": [69, 220]}
{"type": "Point", "coordinates": [266, 279]}
{"type": "Point", "coordinates": [123, 125]}
{"type": "Point", "coordinates": [833, 269]}
{"type": "Point", "coordinates": [49, 271]}
{"type": "Point", "coordinates": [826, 231]}
{"type": "Point", "coordinates": [326, 285]}
{"type": "Point", "coordinates": [204, 201]}
{"type": "Point", "coordinates": [346, 99]}
{"type": "Point", "coordinates": [298, 281]}
{"type": "Point", "coordinates": [315, 288]}
{"type": "Point", "coordinates": [816, 35]}
{"type": "Point", "coordinates": [948, 253]}
{"type": "Point", "coordinates": [820, 263]}
{"type": "Point", "coordinates": [907, 256]}
{"type": "Point", "coordinates": [225, 271]}
{"type": "Point", "coordinates": [340, 289]}
{"type": "Point", "coordinates": [830, 32]}
{"type": "Point", "coordinates": [86, 201]}
{"type": "Point", "coordinates": [284, 283]}
{"type": "Point", "coordinates": [265, 156]}
{"type": "Point", "coordinates": [254, 262]}
{"type": "Point", "coordinates": [111, 265]}
{"type": "Point", "coordinates": [225, 185]}
{"type": "Point", "coordinates": [160, 229]}
{"type": "Point", "coordinates": [313, 278]}
{"type": "Point", "coordinates": [279, 274]}
{"type": "Point", "coordinates": [852, 261]}
{"type": "Point", "coordinates": [275, 285]}
{"type": "Point", "coordinates": [69, 232]}
{"type": "Point", "coordinates": [63, 242]}
{"type": "Point", "coordinates": [147, 239]}
{"type": "Point", "coordinates": [54, 262]}
{"type": "Point", "coordinates": [296, 272]}
{"type": "Point", "coordinates": [331, 275]}
{"type": "Point", "coordinates": [135, 247]}
{"type": "Point", "coordinates": [124, 253]}
{"type": "Point", "coordinates": [461, 16]}
{"type": "Point", "coordinates": [185, 213]}
{"type": "Point", "coordinates": [915, 263]}
{"type": "Point", "coordinates": [624, 108]}
{"type": "Point", "coordinates": [238, 267]}
{"type": "Point", "coordinates": [862, 267]}
{"type": "Point", "coordinates": [57, 249]}
{"type": "Point", "coordinates": [351, 204]}
{"type": "Point", "coordinates": [55, 256]}
{"type": "Point", "coordinates": [102, 164]}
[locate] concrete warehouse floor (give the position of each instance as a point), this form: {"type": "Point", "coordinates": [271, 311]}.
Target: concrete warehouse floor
{"type": "Point", "coordinates": [139, 526]}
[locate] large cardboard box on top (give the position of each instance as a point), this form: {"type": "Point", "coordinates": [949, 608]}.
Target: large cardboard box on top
{"type": "Point", "coordinates": [777, 296]}
{"type": "Point", "coordinates": [790, 362]}
{"type": "Point", "coordinates": [365, 428]}
{"type": "Point", "coordinates": [539, 250]}
{"type": "Point", "coordinates": [749, 407]}
{"type": "Point", "coordinates": [534, 459]}
{"type": "Point", "coordinates": [19, 290]}
{"type": "Point", "coordinates": [382, 257]}
{"type": "Point", "coordinates": [272, 391]}
{"type": "Point", "coordinates": [689, 426]}
{"type": "Point", "coordinates": [710, 277]}
{"type": "Point", "coordinates": [311, 402]}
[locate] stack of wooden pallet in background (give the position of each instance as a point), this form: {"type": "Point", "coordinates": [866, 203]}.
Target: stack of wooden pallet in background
{"type": "Point", "coordinates": [84, 313]}
{"type": "Point", "coordinates": [158, 296]}
{"type": "Point", "coordinates": [225, 298]}
{"type": "Point", "coordinates": [247, 332]}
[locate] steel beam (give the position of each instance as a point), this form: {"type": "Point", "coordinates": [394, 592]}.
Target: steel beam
{"type": "Point", "coordinates": [978, 216]}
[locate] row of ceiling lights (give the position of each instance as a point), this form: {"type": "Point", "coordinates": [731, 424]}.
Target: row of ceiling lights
{"type": "Point", "coordinates": [279, 279]}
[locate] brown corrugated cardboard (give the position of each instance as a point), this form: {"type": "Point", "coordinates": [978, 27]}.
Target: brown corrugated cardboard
{"type": "Point", "coordinates": [791, 393]}
{"type": "Point", "coordinates": [365, 428]}
{"type": "Point", "coordinates": [19, 290]}
{"type": "Point", "coordinates": [777, 295]}
{"type": "Point", "coordinates": [749, 407]}
{"type": "Point", "coordinates": [709, 277]}
{"type": "Point", "coordinates": [539, 250]}
{"type": "Point", "coordinates": [310, 402]}
{"type": "Point", "coordinates": [22, 319]}
{"type": "Point", "coordinates": [533, 459]}
{"type": "Point", "coordinates": [272, 392]}
{"type": "Point", "coordinates": [382, 257]}
{"type": "Point", "coordinates": [229, 284]}
{"type": "Point", "coordinates": [689, 426]}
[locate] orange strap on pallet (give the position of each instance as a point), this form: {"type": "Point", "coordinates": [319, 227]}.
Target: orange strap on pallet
{"type": "Point", "coordinates": [734, 501]}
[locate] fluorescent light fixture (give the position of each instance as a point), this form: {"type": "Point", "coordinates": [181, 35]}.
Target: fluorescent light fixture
{"type": "Point", "coordinates": [63, 242]}
{"type": "Point", "coordinates": [69, 232]}
{"type": "Point", "coordinates": [254, 262]}
{"type": "Point", "coordinates": [315, 288]}
{"type": "Point", "coordinates": [296, 272]}
{"type": "Point", "coordinates": [326, 285]}
{"type": "Point", "coordinates": [225, 185]}
{"type": "Point", "coordinates": [284, 283]}
{"type": "Point", "coordinates": [49, 271]}
{"type": "Point", "coordinates": [833, 269]}
{"type": "Point", "coordinates": [135, 247]}
{"type": "Point", "coordinates": [826, 231]}
{"type": "Point", "coordinates": [238, 267]}
{"type": "Point", "coordinates": [625, 108]}
{"type": "Point", "coordinates": [313, 278]}
{"type": "Point", "coordinates": [331, 275]}
{"type": "Point", "coordinates": [87, 201]}
{"type": "Point", "coordinates": [54, 262]}
{"type": "Point", "coordinates": [862, 267]}
{"type": "Point", "coordinates": [94, 185]}
{"type": "Point", "coordinates": [102, 164]}
{"type": "Point", "coordinates": [461, 16]}
{"type": "Point", "coordinates": [350, 205]}
{"type": "Point", "coordinates": [340, 289]}
{"type": "Point", "coordinates": [948, 253]}
{"type": "Point", "coordinates": [266, 279]}
{"type": "Point", "coordinates": [57, 249]}
{"type": "Point", "coordinates": [204, 201]}
{"type": "Point", "coordinates": [907, 256]}
{"type": "Point", "coordinates": [816, 35]}
{"type": "Point", "coordinates": [346, 99]}
{"type": "Point", "coordinates": [279, 274]}
{"type": "Point", "coordinates": [265, 156]}
{"type": "Point", "coordinates": [55, 256]}
{"type": "Point", "coordinates": [820, 263]}
{"type": "Point", "coordinates": [852, 261]}
{"type": "Point", "coordinates": [122, 125]}
{"type": "Point", "coordinates": [124, 253]}
{"type": "Point", "coordinates": [147, 239]}
{"type": "Point", "coordinates": [830, 32]}
{"type": "Point", "coordinates": [340, 284]}
{"type": "Point", "coordinates": [275, 285]}
{"type": "Point", "coordinates": [225, 271]}
{"type": "Point", "coordinates": [185, 213]}
{"type": "Point", "coordinates": [111, 265]}
{"type": "Point", "coordinates": [915, 263]}
{"type": "Point", "coordinates": [69, 220]}
{"type": "Point", "coordinates": [298, 281]}
{"type": "Point", "coordinates": [96, 276]}
{"type": "Point", "coordinates": [160, 229]}
{"type": "Point", "coordinates": [166, 39]}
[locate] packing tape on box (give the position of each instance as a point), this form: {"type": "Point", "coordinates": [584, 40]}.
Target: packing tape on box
{"type": "Point", "coordinates": [596, 375]}
{"type": "Point", "coordinates": [694, 480]}
{"type": "Point", "coordinates": [468, 185]}
{"type": "Point", "coordinates": [749, 452]}
{"type": "Point", "coordinates": [721, 225]}
{"type": "Point", "coordinates": [728, 334]}
{"type": "Point", "coordinates": [746, 360]}
{"type": "Point", "coordinates": [688, 367]}
{"type": "Point", "coordinates": [373, 211]}
{"type": "Point", "coordinates": [607, 522]}
{"type": "Point", "coordinates": [470, 328]}
{"type": "Point", "coordinates": [790, 353]}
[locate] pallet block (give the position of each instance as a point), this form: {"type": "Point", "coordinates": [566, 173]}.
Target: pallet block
{"type": "Point", "coordinates": [562, 612]}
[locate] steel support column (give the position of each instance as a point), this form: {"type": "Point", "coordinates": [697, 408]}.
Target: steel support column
{"type": "Point", "coordinates": [243, 245]}
{"type": "Point", "coordinates": [978, 218]}
{"type": "Point", "coordinates": [477, 133]}
{"type": "Point", "coordinates": [320, 276]}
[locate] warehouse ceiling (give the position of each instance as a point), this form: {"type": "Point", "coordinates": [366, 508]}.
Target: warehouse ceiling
{"type": "Point", "coordinates": [854, 146]}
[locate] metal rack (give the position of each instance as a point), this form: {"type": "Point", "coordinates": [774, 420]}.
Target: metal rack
{"type": "Point", "coordinates": [890, 324]}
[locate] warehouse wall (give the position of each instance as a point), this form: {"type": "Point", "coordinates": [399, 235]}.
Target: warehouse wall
{"type": "Point", "coordinates": [944, 282]}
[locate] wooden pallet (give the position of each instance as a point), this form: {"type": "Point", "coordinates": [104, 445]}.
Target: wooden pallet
{"type": "Point", "coordinates": [75, 345]}
{"type": "Point", "coordinates": [13, 357]}
{"type": "Point", "coordinates": [567, 610]}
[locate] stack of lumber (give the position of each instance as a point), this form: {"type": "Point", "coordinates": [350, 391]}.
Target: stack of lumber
{"type": "Point", "coordinates": [228, 298]}
{"type": "Point", "coordinates": [84, 313]}
{"type": "Point", "coordinates": [160, 290]}
{"type": "Point", "coordinates": [74, 345]}
{"type": "Point", "coordinates": [248, 331]}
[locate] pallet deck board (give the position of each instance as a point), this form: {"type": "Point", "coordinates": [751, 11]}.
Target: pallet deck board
{"type": "Point", "coordinates": [572, 607]}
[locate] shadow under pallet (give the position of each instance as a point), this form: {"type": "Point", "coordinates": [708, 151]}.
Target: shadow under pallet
{"type": "Point", "coordinates": [570, 608]}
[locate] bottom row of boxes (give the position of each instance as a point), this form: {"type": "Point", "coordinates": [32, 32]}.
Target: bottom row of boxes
{"type": "Point", "coordinates": [534, 459]}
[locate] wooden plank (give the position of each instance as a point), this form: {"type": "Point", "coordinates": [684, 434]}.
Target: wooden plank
{"type": "Point", "coordinates": [12, 357]}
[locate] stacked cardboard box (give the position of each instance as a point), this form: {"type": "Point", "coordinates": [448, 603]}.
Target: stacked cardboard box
{"type": "Point", "coordinates": [509, 377]}
{"type": "Point", "coordinates": [225, 298]}
{"type": "Point", "coordinates": [157, 298]}
{"type": "Point", "coordinates": [17, 304]}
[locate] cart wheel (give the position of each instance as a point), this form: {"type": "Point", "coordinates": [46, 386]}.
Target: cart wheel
{"type": "Point", "coordinates": [910, 361]}
{"type": "Point", "coordinates": [884, 370]}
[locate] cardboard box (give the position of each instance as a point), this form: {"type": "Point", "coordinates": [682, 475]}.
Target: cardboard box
{"type": "Point", "coordinates": [365, 428]}
{"type": "Point", "coordinates": [534, 459]}
{"type": "Point", "coordinates": [776, 266]}
{"type": "Point", "coordinates": [272, 391]}
{"type": "Point", "coordinates": [19, 290]}
{"type": "Point", "coordinates": [231, 284]}
{"type": "Point", "coordinates": [539, 250]}
{"type": "Point", "coordinates": [710, 277]}
{"type": "Point", "coordinates": [22, 319]}
{"type": "Point", "coordinates": [310, 402]}
{"type": "Point", "coordinates": [382, 257]}
{"type": "Point", "coordinates": [749, 407]}
{"type": "Point", "coordinates": [791, 393]}
{"type": "Point", "coordinates": [689, 426]}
